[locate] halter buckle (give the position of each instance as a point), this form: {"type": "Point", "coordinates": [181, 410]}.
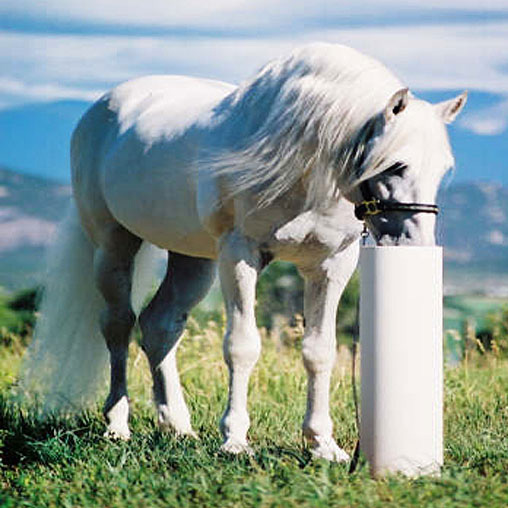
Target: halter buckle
{"type": "Point", "coordinates": [371, 207]}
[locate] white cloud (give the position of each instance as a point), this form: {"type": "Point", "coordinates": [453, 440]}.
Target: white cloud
{"type": "Point", "coordinates": [19, 91]}
{"type": "Point", "coordinates": [438, 57]}
{"type": "Point", "coordinates": [496, 237]}
{"type": "Point", "coordinates": [428, 57]}
{"type": "Point", "coordinates": [489, 121]}
{"type": "Point", "coordinates": [469, 5]}
{"type": "Point", "coordinates": [88, 63]}
{"type": "Point", "coordinates": [455, 56]}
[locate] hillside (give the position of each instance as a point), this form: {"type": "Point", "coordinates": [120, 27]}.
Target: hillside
{"type": "Point", "coordinates": [473, 227]}
{"type": "Point", "coordinates": [30, 208]}
{"type": "Point", "coordinates": [475, 222]}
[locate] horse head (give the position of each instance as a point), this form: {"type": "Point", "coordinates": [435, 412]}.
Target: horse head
{"type": "Point", "coordinates": [405, 160]}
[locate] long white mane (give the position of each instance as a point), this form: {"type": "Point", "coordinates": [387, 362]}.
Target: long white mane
{"type": "Point", "coordinates": [303, 116]}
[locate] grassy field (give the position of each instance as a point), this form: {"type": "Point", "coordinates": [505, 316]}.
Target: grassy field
{"type": "Point", "coordinates": [67, 462]}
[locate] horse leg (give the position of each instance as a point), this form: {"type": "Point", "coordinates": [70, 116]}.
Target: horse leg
{"type": "Point", "coordinates": [113, 266]}
{"type": "Point", "coordinates": [239, 263]}
{"type": "Point", "coordinates": [323, 288]}
{"type": "Point", "coordinates": [162, 322]}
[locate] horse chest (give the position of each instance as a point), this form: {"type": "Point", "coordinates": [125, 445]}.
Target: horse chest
{"type": "Point", "coordinates": [313, 236]}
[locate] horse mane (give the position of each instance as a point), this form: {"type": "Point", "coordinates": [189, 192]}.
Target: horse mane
{"type": "Point", "coordinates": [306, 116]}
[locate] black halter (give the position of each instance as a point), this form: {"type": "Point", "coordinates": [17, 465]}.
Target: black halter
{"type": "Point", "coordinates": [374, 206]}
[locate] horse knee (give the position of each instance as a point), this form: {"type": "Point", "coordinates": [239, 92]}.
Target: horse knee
{"type": "Point", "coordinates": [318, 353]}
{"type": "Point", "coordinates": [242, 348]}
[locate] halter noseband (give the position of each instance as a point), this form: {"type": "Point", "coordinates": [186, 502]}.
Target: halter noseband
{"type": "Point", "coordinates": [374, 206]}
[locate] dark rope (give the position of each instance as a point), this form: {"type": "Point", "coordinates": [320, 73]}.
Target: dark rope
{"type": "Point", "coordinates": [356, 454]}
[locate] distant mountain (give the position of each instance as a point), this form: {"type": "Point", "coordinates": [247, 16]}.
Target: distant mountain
{"type": "Point", "coordinates": [475, 223]}
{"type": "Point", "coordinates": [473, 227]}
{"type": "Point", "coordinates": [30, 208]}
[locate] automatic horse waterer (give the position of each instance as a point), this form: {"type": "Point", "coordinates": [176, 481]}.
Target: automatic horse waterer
{"type": "Point", "coordinates": [401, 359]}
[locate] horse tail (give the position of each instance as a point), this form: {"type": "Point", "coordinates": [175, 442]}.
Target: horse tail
{"type": "Point", "coordinates": [66, 363]}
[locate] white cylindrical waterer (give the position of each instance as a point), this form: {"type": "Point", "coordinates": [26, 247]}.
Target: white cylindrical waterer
{"type": "Point", "coordinates": [401, 338]}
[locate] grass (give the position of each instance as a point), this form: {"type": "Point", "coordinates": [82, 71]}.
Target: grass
{"type": "Point", "coordinates": [66, 462]}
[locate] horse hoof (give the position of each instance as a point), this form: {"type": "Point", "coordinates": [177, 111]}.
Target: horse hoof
{"type": "Point", "coordinates": [328, 449]}
{"type": "Point", "coordinates": [172, 422]}
{"type": "Point", "coordinates": [180, 432]}
{"type": "Point", "coordinates": [117, 434]}
{"type": "Point", "coordinates": [234, 447]}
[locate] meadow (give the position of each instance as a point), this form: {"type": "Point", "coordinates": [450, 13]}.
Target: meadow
{"type": "Point", "coordinates": [66, 462]}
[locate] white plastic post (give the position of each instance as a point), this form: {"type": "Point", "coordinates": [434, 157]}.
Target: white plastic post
{"type": "Point", "coordinates": [401, 359]}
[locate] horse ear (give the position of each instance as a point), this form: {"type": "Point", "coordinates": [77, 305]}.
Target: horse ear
{"type": "Point", "coordinates": [397, 104]}
{"type": "Point", "coordinates": [448, 110]}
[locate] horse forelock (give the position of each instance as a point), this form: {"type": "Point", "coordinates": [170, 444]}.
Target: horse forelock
{"type": "Point", "coordinates": [303, 116]}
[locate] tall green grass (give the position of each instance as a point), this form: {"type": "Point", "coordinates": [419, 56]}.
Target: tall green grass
{"type": "Point", "coordinates": [66, 462]}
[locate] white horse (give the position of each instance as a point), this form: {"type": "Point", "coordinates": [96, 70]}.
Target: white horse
{"type": "Point", "coordinates": [236, 176]}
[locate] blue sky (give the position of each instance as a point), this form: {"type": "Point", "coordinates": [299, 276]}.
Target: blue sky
{"type": "Point", "coordinates": [68, 50]}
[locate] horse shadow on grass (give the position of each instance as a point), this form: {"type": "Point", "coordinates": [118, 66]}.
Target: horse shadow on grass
{"type": "Point", "coordinates": [26, 437]}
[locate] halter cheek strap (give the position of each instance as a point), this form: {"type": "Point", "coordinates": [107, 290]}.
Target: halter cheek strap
{"type": "Point", "coordinates": [375, 206]}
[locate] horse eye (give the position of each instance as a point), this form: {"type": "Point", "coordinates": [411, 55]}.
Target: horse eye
{"type": "Point", "coordinates": [396, 169]}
